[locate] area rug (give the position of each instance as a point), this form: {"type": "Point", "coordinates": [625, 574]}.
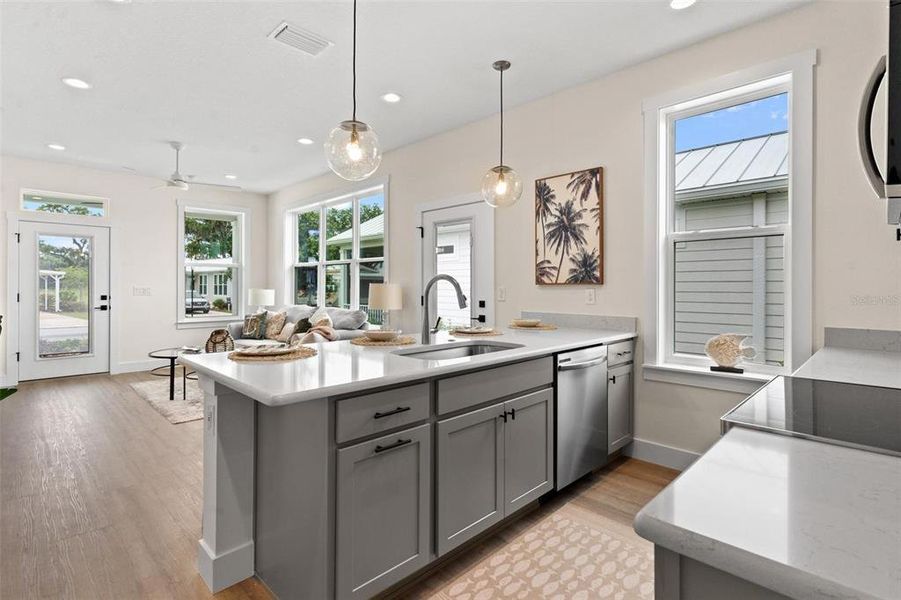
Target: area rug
{"type": "Point", "coordinates": [156, 393]}
{"type": "Point", "coordinates": [571, 554]}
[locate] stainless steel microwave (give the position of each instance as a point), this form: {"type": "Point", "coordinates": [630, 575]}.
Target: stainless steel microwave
{"type": "Point", "coordinates": [886, 182]}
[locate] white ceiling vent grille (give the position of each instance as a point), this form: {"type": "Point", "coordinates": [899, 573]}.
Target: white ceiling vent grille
{"type": "Point", "coordinates": [299, 38]}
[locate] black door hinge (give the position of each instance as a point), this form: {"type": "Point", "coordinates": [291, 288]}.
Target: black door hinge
{"type": "Point", "coordinates": [18, 238]}
{"type": "Point", "coordinates": [422, 301]}
{"type": "Point", "coordinates": [17, 357]}
{"type": "Point", "coordinates": [18, 297]}
{"type": "Point", "coordinates": [898, 234]}
{"type": "Point", "coordinates": [421, 231]}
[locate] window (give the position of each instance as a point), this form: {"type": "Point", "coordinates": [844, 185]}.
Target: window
{"type": "Point", "coordinates": [337, 267]}
{"type": "Point", "coordinates": [730, 211]}
{"type": "Point", "coordinates": [63, 204]}
{"type": "Point", "coordinates": [211, 245]}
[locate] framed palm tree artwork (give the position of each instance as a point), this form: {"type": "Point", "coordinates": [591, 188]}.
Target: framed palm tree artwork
{"type": "Point", "coordinates": [569, 228]}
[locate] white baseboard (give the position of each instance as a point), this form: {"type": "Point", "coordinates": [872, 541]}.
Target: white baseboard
{"type": "Point", "coordinates": [133, 366]}
{"type": "Point", "coordinates": [226, 569]}
{"type": "Point", "coordinates": [661, 454]}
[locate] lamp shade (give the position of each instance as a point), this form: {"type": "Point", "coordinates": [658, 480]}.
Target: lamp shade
{"type": "Point", "coordinates": [260, 297]}
{"type": "Point", "coordinates": [385, 296]}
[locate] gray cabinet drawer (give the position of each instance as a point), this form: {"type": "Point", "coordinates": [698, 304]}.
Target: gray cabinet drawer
{"type": "Point", "coordinates": [365, 415]}
{"type": "Point", "coordinates": [620, 353]}
{"type": "Point", "coordinates": [463, 391]}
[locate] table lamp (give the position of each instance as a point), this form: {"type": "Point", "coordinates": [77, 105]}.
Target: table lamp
{"type": "Point", "coordinates": [386, 297]}
{"type": "Point", "coordinates": [261, 297]}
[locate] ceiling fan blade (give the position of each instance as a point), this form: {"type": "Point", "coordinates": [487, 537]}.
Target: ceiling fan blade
{"type": "Point", "coordinates": [169, 183]}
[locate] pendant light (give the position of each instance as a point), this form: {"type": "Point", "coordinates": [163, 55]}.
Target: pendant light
{"type": "Point", "coordinates": [501, 186]}
{"type": "Point", "coordinates": [352, 148]}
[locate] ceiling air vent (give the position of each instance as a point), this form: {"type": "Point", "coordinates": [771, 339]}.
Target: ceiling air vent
{"type": "Point", "coordinates": [302, 39]}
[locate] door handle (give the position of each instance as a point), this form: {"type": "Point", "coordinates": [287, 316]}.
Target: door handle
{"type": "Point", "coordinates": [101, 307]}
{"type": "Point", "coordinates": [396, 444]}
{"type": "Point", "coordinates": [582, 365]}
{"type": "Point", "coordinates": [864, 124]}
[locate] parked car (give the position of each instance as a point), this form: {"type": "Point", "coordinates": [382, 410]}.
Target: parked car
{"type": "Point", "coordinates": [196, 304]}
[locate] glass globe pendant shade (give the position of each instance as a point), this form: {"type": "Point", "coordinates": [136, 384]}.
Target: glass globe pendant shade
{"type": "Point", "coordinates": [352, 150]}
{"type": "Point", "coordinates": [501, 186]}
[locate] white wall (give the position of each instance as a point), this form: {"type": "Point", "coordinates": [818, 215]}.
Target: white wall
{"type": "Point", "coordinates": [857, 262]}
{"type": "Point", "coordinates": [144, 249]}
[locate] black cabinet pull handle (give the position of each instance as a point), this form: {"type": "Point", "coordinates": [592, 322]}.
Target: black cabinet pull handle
{"type": "Point", "coordinates": [396, 444]}
{"type": "Point", "coordinates": [612, 379]}
{"type": "Point", "coordinates": [513, 413]}
{"type": "Point", "coordinates": [503, 416]}
{"type": "Point", "coordinates": [399, 409]}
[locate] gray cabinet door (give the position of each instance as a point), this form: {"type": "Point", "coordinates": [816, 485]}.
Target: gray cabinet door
{"type": "Point", "coordinates": [384, 511]}
{"type": "Point", "coordinates": [470, 475]}
{"type": "Point", "coordinates": [528, 449]}
{"type": "Point", "coordinates": [619, 407]}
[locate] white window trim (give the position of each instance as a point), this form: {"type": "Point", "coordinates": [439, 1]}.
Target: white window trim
{"type": "Point", "coordinates": [241, 265]}
{"type": "Point", "coordinates": [48, 217]}
{"type": "Point", "coordinates": [797, 73]}
{"type": "Point", "coordinates": [319, 202]}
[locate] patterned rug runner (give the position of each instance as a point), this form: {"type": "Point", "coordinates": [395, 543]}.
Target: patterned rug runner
{"type": "Point", "coordinates": [571, 554]}
{"type": "Point", "coordinates": [156, 393]}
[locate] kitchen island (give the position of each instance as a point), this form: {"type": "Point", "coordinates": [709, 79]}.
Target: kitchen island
{"type": "Point", "coordinates": [342, 474]}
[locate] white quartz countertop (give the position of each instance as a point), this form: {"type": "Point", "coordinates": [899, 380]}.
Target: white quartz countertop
{"type": "Point", "coordinates": [342, 368]}
{"type": "Point", "coordinates": [850, 365]}
{"type": "Point", "coordinates": [803, 518]}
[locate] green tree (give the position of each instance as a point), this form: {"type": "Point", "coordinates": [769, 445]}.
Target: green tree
{"type": "Point", "coordinates": [565, 231]}
{"type": "Point", "coordinates": [208, 238]}
{"type": "Point", "coordinates": [64, 209]}
{"type": "Point", "coordinates": [337, 220]}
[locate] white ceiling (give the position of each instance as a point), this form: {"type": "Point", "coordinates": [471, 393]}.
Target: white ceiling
{"type": "Point", "coordinates": [205, 73]}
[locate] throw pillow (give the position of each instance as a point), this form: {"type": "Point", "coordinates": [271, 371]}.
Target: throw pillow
{"type": "Point", "coordinates": [303, 326]}
{"type": "Point", "coordinates": [287, 331]}
{"type": "Point", "coordinates": [275, 321]}
{"type": "Point", "coordinates": [345, 318]}
{"type": "Point", "coordinates": [254, 326]}
{"type": "Point", "coordinates": [321, 317]}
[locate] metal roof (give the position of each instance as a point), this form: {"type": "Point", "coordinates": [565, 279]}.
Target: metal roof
{"type": "Point", "coordinates": [371, 229]}
{"type": "Point", "coordinates": [733, 163]}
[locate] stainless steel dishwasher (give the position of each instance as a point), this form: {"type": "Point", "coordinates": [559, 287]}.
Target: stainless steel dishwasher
{"type": "Point", "coordinates": [581, 413]}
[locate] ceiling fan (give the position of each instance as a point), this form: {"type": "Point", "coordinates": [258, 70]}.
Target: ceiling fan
{"type": "Point", "coordinates": [185, 182]}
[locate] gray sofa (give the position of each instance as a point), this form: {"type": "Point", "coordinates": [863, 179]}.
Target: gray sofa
{"type": "Point", "coordinates": [347, 323]}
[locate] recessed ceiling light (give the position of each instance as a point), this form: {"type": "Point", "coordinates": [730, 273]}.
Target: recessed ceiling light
{"type": "Point", "coordinates": [391, 98]}
{"type": "Point", "coordinates": [78, 84]}
{"type": "Point", "coordinates": [305, 141]}
{"type": "Point", "coordinates": [230, 176]}
{"type": "Point", "coordinates": [680, 4]}
{"type": "Point", "coordinates": [56, 146]}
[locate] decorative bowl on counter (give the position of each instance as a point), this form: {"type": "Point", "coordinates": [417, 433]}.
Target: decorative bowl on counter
{"type": "Point", "coordinates": [381, 335]}
{"type": "Point", "coordinates": [527, 322]}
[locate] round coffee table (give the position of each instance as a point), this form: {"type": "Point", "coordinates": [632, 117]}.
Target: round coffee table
{"type": "Point", "coordinates": [171, 354]}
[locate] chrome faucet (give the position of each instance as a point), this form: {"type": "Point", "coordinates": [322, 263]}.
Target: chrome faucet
{"type": "Point", "coordinates": [461, 300]}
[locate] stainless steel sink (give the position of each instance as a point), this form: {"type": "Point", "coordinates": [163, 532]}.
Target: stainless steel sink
{"type": "Point", "coordinates": [456, 350]}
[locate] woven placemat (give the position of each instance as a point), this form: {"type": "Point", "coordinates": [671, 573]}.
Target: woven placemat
{"type": "Point", "coordinates": [300, 353]}
{"type": "Point", "coordinates": [541, 327]}
{"type": "Point", "coordinates": [477, 335]}
{"type": "Point", "coordinates": [403, 340]}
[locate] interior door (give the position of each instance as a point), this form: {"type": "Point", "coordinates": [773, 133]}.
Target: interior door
{"type": "Point", "coordinates": [64, 300]}
{"type": "Point", "coordinates": [458, 241]}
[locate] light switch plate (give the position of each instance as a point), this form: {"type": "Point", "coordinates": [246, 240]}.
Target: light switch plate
{"type": "Point", "coordinates": [590, 296]}
{"type": "Point", "coordinates": [501, 294]}
{"type": "Point", "coordinates": [140, 291]}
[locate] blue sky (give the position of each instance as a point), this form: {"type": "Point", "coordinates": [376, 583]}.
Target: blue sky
{"type": "Point", "coordinates": [758, 117]}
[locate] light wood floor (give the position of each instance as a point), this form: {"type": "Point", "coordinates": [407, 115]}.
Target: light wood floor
{"type": "Point", "coordinates": [100, 497]}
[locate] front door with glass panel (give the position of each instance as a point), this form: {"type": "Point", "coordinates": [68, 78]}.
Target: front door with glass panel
{"type": "Point", "coordinates": [63, 300]}
{"type": "Point", "coordinates": [455, 240]}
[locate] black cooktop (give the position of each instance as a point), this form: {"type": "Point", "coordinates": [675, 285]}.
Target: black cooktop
{"type": "Point", "coordinates": [860, 416]}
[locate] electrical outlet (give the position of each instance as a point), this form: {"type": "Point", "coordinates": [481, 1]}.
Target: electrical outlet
{"type": "Point", "coordinates": [501, 294]}
{"type": "Point", "coordinates": [590, 296]}
{"type": "Point", "coordinates": [140, 291]}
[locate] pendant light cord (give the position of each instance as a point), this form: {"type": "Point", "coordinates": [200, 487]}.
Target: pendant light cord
{"type": "Point", "coordinates": [502, 119]}
{"type": "Point", "coordinates": [354, 62]}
